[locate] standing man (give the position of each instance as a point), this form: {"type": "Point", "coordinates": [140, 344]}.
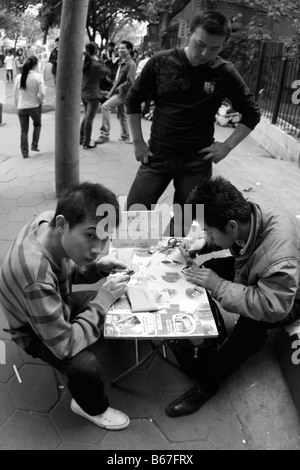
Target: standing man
{"type": "Point", "coordinates": [117, 95]}
{"type": "Point", "coordinates": [53, 59]}
{"type": "Point", "coordinates": [188, 86]}
{"type": "Point", "coordinates": [9, 66]}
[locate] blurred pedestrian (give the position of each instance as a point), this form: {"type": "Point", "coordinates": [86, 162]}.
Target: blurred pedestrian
{"type": "Point", "coordinates": [19, 60]}
{"type": "Point", "coordinates": [53, 59]}
{"type": "Point", "coordinates": [91, 94]}
{"type": "Point", "coordinates": [29, 94]}
{"type": "Point", "coordinates": [9, 67]}
{"type": "Point", "coordinates": [117, 95]}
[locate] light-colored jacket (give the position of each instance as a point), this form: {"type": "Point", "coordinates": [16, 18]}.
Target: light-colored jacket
{"type": "Point", "coordinates": [34, 95]}
{"type": "Point", "coordinates": [266, 286]}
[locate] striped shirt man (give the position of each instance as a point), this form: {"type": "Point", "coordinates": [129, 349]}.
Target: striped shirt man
{"type": "Point", "coordinates": [35, 293]}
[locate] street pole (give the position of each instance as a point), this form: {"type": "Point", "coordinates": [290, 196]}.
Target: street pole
{"type": "Point", "coordinates": [68, 93]}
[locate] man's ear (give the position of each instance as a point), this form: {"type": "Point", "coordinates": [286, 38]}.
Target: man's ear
{"type": "Point", "coordinates": [60, 223]}
{"type": "Point", "coordinates": [232, 226]}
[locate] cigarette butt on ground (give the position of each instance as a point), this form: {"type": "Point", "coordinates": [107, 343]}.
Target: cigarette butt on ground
{"type": "Point", "coordinates": [17, 374]}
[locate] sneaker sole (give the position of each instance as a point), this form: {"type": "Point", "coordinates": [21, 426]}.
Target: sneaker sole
{"type": "Point", "coordinates": [108, 427]}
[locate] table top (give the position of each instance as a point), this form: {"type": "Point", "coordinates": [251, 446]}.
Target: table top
{"type": "Point", "coordinates": [183, 309]}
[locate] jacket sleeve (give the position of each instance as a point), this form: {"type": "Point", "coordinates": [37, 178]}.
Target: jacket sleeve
{"type": "Point", "coordinates": [242, 99]}
{"type": "Point", "coordinates": [41, 89]}
{"type": "Point", "coordinates": [130, 77]}
{"type": "Point", "coordinates": [270, 300]}
{"type": "Point", "coordinates": [143, 87]}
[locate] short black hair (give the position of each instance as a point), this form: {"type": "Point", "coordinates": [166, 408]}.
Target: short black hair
{"type": "Point", "coordinates": [128, 44]}
{"type": "Point", "coordinates": [78, 202]}
{"type": "Point", "coordinates": [213, 22]}
{"type": "Point", "coordinates": [222, 202]}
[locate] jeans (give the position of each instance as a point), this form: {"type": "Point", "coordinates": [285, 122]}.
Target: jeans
{"type": "Point", "coordinates": [114, 101]}
{"type": "Point", "coordinates": [247, 338]}
{"type": "Point", "coordinates": [9, 75]}
{"type": "Point", "coordinates": [36, 116]}
{"type": "Point", "coordinates": [84, 370]}
{"type": "Point", "coordinates": [186, 170]}
{"type": "Point", "coordinates": [86, 127]}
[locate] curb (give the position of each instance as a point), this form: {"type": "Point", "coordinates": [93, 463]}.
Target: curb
{"type": "Point", "coordinates": [11, 109]}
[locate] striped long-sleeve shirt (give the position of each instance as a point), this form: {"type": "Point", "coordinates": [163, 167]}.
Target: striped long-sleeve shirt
{"type": "Point", "coordinates": [35, 293]}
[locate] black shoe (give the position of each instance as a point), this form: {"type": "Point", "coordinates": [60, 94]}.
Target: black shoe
{"type": "Point", "coordinates": [35, 148]}
{"type": "Point", "coordinates": [25, 155]}
{"type": "Point", "coordinates": [190, 402]}
{"type": "Point", "coordinates": [80, 141]}
{"type": "Point", "coordinates": [88, 146]}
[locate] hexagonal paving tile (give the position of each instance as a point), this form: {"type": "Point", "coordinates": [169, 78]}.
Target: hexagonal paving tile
{"type": "Point", "coordinates": [31, 199]}
{"type": "Point", "coordinates": [186, 428]}
{"type": "Point", "coordinates": [20, 182]}
{"type": "Point", "coordinates": [10, 231]}
{"type": "Point", "coordinates": [74, 428]}
{"type": "Point", "coordinates": [7, 205]}
{"type": "Point", "coordinates": [38, 390]}
{"type": "Point", "coordinates": [137, 395]}
{"type": "Point", "coordinates": [12, 193]}
{"type": "Point", "coordinates": [7, 407]}
{"type": "Point", "coordinates": [25, 430]}
{"type": "Point", "coordinates": [13, 357]}
{"type": "Point", "coordinates": [144, 433]}
{"type": "Point", "coordinates": [22, 214]}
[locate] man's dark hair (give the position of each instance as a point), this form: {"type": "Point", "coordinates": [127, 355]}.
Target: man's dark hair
{"type": "Point", "coordinates": [222, 202]}
{"type": "Point", "coordinates": [76, 203]}
{"type": "Point", "coordinates": [91, 48]}
{"type": "Point", "coordinates": [128, 44]}
{"type": "Point", "coordinates": [213, 22]}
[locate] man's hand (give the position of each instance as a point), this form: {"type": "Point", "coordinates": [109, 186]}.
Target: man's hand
{"type": "Point", "coordinates": [110, 264]}
{"type": "Point", "coordinates": [189, 249]}
{"type": "Point", "coordinates": [203, 277]}
{"type": "Point", "coordinates": [117, 285]}
{"type": "Point", "coordinates": [142, 152]}
{"type": "Point", "coordinates": [216, 152]}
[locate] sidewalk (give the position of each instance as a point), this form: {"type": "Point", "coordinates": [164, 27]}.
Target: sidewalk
{"type": "Point", "coordinates": [254, 409]}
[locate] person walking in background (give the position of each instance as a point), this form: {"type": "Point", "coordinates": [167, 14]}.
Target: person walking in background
{"type": "Point", "coordinates": [9, 67]}
{"type": "Point", "coordinates": [53, 60]}
{"type": "Point", "coordinates": [19, 60]}
{"type": "Point", "coordinates": [91, 94]}
{"type": "Point", "coordinates": [29, 95]}
{"type": "Point", "coordinates": [188, 86]}
{"type": "Point", "coordinates": [117, 95]}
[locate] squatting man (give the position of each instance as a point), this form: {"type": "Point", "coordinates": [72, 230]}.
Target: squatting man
{"type": "Point", "coordinates": [63, 328]}
{"type": "Point", "coordinates": [259, 281]}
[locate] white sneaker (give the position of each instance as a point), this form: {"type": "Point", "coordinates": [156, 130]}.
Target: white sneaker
{"type": "Point", "coordinates": [111, 419]}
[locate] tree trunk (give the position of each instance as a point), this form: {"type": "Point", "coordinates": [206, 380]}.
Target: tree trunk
{"type": "Point", "coordinates": [68, 93]}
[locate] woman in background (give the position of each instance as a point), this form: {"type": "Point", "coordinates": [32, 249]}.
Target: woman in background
{"type": "Point", "coordinates": [91, 94]}
{"type": "Point", "coordinates": [29, 94]}
{"type": "Point", "coordinates": [19, 61]}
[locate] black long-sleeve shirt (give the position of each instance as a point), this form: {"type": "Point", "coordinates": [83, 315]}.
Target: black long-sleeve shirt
{"type": "Point", "coordinates": [187, 99]}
